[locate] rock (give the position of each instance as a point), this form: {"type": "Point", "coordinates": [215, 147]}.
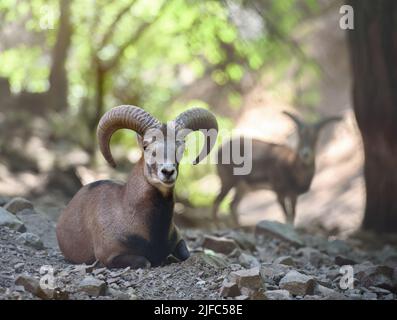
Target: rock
{"type": "Point", "coordinates": [315, 241]}
{"type": "Point", "coordinates": [250, 278]}
{"type": "Point", "coordinates": [116, 274]}
{"type": "Point", "coordinates": [253, 294]}
{"type": "Point", "coordinates": [343, 261]}
{"type": "Point", "coordinates": [244, 240]}
{"type": "Point", "coordinates": [388, 256]}
{"type": "Point", "coordinates": [31, 240]}
{"type": "Point", "coordinates": [312, 297]}
{"type": "Point", "coordinates": [3, 200]}
{"type": "Point", "coordinates": [328, 294]}
{"type": "Point", "coordinates": [337, 247]}
{"type": "Point", "coordinates": [219, 244]}
{"type": "Point", "coordinates": [284, 232]}
{"type": "Point", "coordinates": [375, 276]}
{"type": "Point", "coordinates": [93, 286]}
{"type": "Point", "coordinates": [7, 219]}
{"type": "Point", "coordinates": [297, 283]}
{"type": "Point", "coordinates": [242, 297]}
{"type": "Point", "coordinates": [229, 289]}
{"type": "Point", "coordinates": [214, 260]}
{"type": "Point", "coordinates": [247, 282]}
{"type": "Point", "coordinates": [379, 290]}
{"type": "Point", "coordinates": [285, 260]}
{"type": "Point", "coordinates": [18, 204]}
{"type": "Point", "coordinates": [248, 260]}
{"type": "Point", "coordinates": [19, 267]}
{"type": "Point", "coordinates": [120, 295]}
{"type": "Point", "coordinates": [370, 296]}
{"type": "Point", "coordinates": [389, 297]}
{"type": "Point", "coordinates": [278, 295]}
{"type": "Point", "coordinates": [32, 285]}
{"type": "Point", "coordinates": [334, 296]}
{"type": "Point", "coordinates": [41, 225]}
{"type": "Point", "coordinates": [314, 256]}
{"type": "Point", "coordinates": [99, 271]}
{"type": "Point", "coordinates": [274, 272]}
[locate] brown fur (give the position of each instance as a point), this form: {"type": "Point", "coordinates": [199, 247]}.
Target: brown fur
{"type": "Point", "coordinates": [274, 167]}
{"type": "Point", "coordinates": [119, 224]}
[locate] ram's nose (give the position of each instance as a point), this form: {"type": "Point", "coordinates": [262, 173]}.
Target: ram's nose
{"type": "Point", "coordinates": [168, 173]}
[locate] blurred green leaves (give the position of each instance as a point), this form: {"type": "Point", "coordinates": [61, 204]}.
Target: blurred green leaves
{"type": "Point", "coordinates": [155, 50]}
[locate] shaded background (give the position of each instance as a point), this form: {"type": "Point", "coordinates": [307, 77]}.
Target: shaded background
{"type": "Point", "coordinates": [64, 63]}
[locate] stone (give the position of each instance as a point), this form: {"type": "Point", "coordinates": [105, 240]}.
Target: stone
{"type": "Point", "coordinates": [219, 244]}
{"type": "Point", "coordinates": [284, 232]}
{"type": "Point", "coordinates": [314, 256]}
{"type": "Point", "coordinates": [297, 283]}
{"type": "Point", "coordinates": [229, 289]}
{"type": "Point", "coordinates": [120, 295]}
{"type": "Point", "coordinates": [18, 204]}
{"type": "Point", "coordinates": [337, 247]}
{"type": "Point", "coordinates": [250, 278]}
{"type": "Point", "coordinates": [311, 297]}
{"type": "Point", "coordinates": [274, 272]}
{"type": "Point", "coordinates": [41, 225]}
{"type": "Point", "coordinates": [19, 267]}
{"type": "Point", "coordinates": [253, 294]}
{"type": "Point", "coordinates": [242, 297]}
{"type": "Point", "coordinates": [285, 260]}
{"type": "Point", "coordinates": [370, 296]}
{"type": "Point", "coordinates": [31, 240]}
{"type": "Point", "coordinates": [32, 285]}
{"type": "Point", "coordinates": [379, 290]}
{"type": "Point", "coordinates": [248, 261]}
{"type": "Point", "coordinates": [335, 296]}
{"type": "Point", "coordinates": [245, 241]}
{"type": "Point", "coordinates": [93, 286]}
{"type": "Point", "coordinates": [328, 293]}
{"type": "Point", "coordinates": [343, 261]}
{"type": "Point", "coordinates": [388, 256]}
{"type": "Point", "coordinates": [278, 295]}
{"type": "Point", "coordinates": [212, 259]}
{"type": "Point", "coordinates": [247, 282]}
{"type": "Point", "coordinates": [99, 271]}
{"type": "Point", "coordinates": [7, 219]}
{"type": "Point", "coordinates": [3, 200]}
{"type": "Point", "coordinates": [375, 276]}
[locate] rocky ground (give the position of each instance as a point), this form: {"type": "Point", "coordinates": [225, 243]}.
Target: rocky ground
{"type": "Point", "coordinates": [274, 261]}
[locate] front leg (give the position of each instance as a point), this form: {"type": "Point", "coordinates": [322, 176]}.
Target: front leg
{"type": "Point", "coordinates": [181, 251]}
{"type": "Point", "coordinates": [290, 205]}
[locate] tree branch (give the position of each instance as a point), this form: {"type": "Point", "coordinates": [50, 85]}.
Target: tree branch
{"type": "Point", "coordinates": [112, 26]}
{"type": "Point", "coordinates": [133, 39]}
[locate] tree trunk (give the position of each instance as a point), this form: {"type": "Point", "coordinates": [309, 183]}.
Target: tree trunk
{"type": "Point", "coordinates": [58, 76]}
{"type": "Point", "coordinates": [100, 77]}
{"type": "Point", "coordinates": [373, 48]}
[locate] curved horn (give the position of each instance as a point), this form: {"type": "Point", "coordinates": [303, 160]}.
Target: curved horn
{"type": "Point", "coordinates": [199, 119]}
{"type": "Point", "coordinates": [294, 118]}
{"type": "Point", "coordinates": [122, 117]}
{"type": "Point", "coordinates": [326, 121]}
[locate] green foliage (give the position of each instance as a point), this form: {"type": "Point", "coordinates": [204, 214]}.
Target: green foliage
{"type": "Point", "coordinates": [152, 51]}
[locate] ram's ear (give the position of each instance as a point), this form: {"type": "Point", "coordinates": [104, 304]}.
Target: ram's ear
{"type": "Point", "coordinates": [139, 139]}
